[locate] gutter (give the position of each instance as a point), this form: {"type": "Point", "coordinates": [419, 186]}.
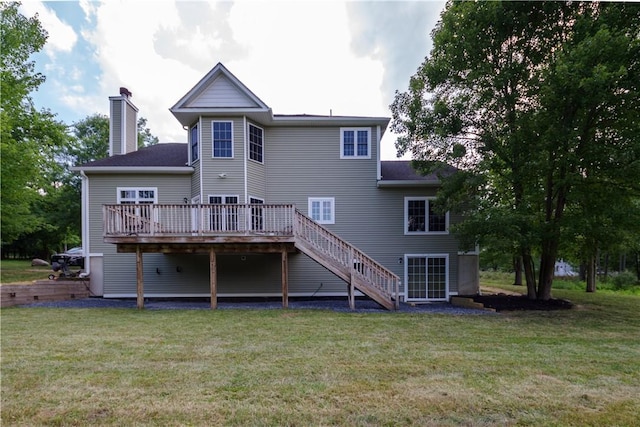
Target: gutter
{"type": "Point", "coordinates": [179, 170]}
{"type": "Point", "coordinates": [408, 183]}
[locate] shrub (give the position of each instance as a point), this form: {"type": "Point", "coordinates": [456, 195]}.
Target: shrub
{"type": "Point", "coordinates": [624, 280]}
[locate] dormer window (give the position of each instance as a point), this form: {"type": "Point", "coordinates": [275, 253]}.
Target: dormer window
{"type": "Point", "coordinates": [193, 142]}
{"type": "Point", "coordinates": [355, 143]}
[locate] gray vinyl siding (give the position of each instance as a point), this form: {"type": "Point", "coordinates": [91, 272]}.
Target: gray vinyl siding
{"type": "Point", "coordinates": [233, 184]}
{"type": "Point", "coordinates": [305, 163]}
{"type": "Point", "coordinates": [120, 269]}
{"type": "Point", "coordinates": [222, 93]}
{"type": "Point", "coordinates": [115, 124]}
{"type": "Point", "coordinates": [195, 182]}
{"type": "Point", "coordinates": [299, 163]}
{"type": "Point", "coordinates": [131, 118]}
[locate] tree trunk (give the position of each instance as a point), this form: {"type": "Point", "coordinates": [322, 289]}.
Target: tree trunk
{"type": "Point", "coordinates": [529, 273]}
{"type": "Point", "coordinates": [517, 267]}
{"type": "Point", "coordinates": [638, 265]}
{"type": "Point", "coordinates": [591, 274]}
{"type": "Point", "coordinates": [547, 270]}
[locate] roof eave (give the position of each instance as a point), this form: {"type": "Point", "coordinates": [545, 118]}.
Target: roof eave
{"type": "Point", "coordinates": [408, 183]}
{"type": "Point", "coordinates": [187, 116]}
{"type": "Point", "coordinates": [169, 170]}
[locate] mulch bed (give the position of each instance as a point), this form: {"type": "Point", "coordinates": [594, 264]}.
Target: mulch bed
{"type": "Point", "coordinates": [504, 302]}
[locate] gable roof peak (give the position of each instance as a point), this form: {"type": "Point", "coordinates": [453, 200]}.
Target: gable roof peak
{"type": "Point", "coordinates": [219, 91]}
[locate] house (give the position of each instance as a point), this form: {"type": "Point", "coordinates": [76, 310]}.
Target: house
{"type": "Point", "coordinates": [262, 204]}
{"type": "Point", "coordinates": [564, 269]}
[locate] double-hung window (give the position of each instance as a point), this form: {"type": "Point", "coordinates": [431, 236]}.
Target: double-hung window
{"type": "Point", "coordinates": [193, 142]}
{"type": "Point", "coordinates": [222, 139]}
{"type": "Point", "coordinates": [256, 143]}
{"type": "Point", "coordinates": [355, 143]}
{"type": "Point", "coordinates": [322, 209]}
{"type": "Point", "coordinates": [421, 218]}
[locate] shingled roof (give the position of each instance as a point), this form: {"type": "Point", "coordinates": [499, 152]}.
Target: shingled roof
{"type": "Point", "coordinates": [401, 170]}
{"type": "Point", "coordinates": [169, 155]}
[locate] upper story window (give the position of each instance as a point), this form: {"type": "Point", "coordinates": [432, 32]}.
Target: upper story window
{"type": "Point", "coordinates": [355, 143]}
{"type": "Point", "coordinates": [193, 143]}
{"type": "Point", "coordinates": [322, 209]}
{"type": "Point", "coordinates": [420, 217]}
{"type": "Point", "coordinates": [256, 143]}
{"type": "Point", "coordinates": [222, 139]}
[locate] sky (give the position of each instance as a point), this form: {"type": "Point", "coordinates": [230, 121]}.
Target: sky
{"type": "Point", "coordinates": [299, 57]}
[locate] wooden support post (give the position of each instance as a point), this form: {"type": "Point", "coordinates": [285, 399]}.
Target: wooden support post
{"type": "Point", "coordinates": [351, 293]}
{"type": "Point", "coordinates": [213, 278]}
{"type": "Point", "coordinates": [285, 279]}
{"type": "Point", "coordinates": [139, 278]}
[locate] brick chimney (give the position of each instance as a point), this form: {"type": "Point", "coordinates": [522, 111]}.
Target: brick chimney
{"type": "Point", "coordinates": [123, 124]}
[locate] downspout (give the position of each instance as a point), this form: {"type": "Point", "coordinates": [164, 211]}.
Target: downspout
{"type": "Point", "coordinates": [244, 155]}
{"type": "Point", "coordinates": [378, 167]}
{"type": "Point", "coordinates": [200, 160]}
{"type": "Point", "coordinates": [85, 222]}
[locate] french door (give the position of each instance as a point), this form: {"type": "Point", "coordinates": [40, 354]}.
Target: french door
{"type": "Point", "coordinates": [224, 217]}
{"type": "Point", "coordinates": [426, 277]}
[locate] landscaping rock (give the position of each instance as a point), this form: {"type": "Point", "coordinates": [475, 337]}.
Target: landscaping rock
{"type": "Point", "coordinates": [37, 262]}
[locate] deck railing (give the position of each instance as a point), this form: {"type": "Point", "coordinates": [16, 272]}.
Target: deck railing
{"type": "Point", "coordinates": [197, 219]}
{"type": "Point", "coordinates": [345, 254]}
{"type": "Point", "coordinates": [249, 219]}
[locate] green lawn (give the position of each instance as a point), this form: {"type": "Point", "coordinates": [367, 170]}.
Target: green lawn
{"type": "Point", "coordinates": [21, 271]}
{"type": "Point", "coordinates": [274, 367]}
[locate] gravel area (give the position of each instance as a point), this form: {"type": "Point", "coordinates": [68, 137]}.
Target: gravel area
{"type": "Point", "coordinates": [340, 305]}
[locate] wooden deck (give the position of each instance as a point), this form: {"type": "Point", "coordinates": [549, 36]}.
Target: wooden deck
{"type": "Point", "coordinates": [258, 228]}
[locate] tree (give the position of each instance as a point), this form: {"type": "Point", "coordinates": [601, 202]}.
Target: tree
{"type": "Point", "coordinates": [518, 96]}
{"type": "Point", "coordinates": [29, 138]}
{"type": "Point", "coordinates": [145, 137]}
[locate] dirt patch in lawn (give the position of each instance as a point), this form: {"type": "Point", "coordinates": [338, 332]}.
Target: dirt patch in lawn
{"type": "Point", "coordinates": [502, 301]}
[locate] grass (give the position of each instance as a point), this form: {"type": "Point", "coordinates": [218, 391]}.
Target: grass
{"type": "Point", "coordinates": [21, 271]}
{"type": "Point", "coordinates": [273, 367]}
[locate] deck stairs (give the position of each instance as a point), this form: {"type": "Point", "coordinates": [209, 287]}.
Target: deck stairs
{"type": "Point", "coordinates": [358, 270]}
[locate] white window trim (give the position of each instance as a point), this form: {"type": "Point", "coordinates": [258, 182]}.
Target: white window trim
{"type": "Point", "coordinates": [428, 200]}
{"type": "Point", "coordinates": [255, 198]}
{"type": "Point", "coordinates": [331, 200]}
{"type": "Point", "coordinates": [406, 276]}
{"type": "Point", "coordinates": [249, 144]}
{"type": "Point", "coordinates": [355, 148]}
{"type": "Point", "coordinates": [136, 189]}
{"type": "Point", "coordinates": [233, 153]}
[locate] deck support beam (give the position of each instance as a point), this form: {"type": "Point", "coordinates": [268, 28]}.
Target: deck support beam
{"type": "Point", "coordinates": [139, 278]}
{"type": "Point", "coordinates": [285, 279]}
{"type": "Point", "coordinates": [213, 278]}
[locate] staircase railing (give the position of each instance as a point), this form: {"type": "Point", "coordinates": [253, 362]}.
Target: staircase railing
{"type": "Point", "coordinates": [348, 257]}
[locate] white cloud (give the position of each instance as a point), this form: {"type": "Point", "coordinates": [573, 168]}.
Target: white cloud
{"type": "Point", "coordinates": [62, 37]}
{"type": "Point", "coordinates": [299, 57]}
